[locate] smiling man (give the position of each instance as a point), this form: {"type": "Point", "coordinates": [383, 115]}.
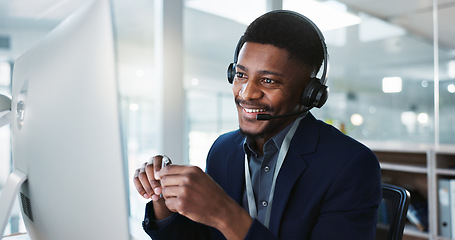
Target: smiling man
{"type": "Point", "coordinates": [283, 174]}
{"type": "Point", "coordinates": [264, 83]}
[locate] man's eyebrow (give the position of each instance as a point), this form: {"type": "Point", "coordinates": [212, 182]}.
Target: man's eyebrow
{"type": "Point", "coordinates": [262, 71]}
{"type": "Point", "coordinates": [272, 73]}
{"type": "Point", "coordinates": [241, 67]}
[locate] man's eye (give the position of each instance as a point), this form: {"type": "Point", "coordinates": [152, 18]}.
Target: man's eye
{"type": "Point", "coordinates": [268, 80]}
{"type": "Point", "coordinates": [239, 75]}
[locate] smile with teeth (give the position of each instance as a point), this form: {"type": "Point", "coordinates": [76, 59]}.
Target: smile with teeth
{"type": "Point", "coordinates": [254, 110]}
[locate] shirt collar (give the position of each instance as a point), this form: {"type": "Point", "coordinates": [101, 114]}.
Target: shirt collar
{"type": "Point", "coordinates": [277, 140]}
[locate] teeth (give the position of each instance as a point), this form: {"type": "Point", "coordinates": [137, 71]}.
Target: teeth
{"type": "Point", "coordinates": [254, 110]}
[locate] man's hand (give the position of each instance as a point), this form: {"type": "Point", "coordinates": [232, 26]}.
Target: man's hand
{"type": "Point", "coordinates": [194, 194]}
{"type": "Point", "coordinates": [148, 185]}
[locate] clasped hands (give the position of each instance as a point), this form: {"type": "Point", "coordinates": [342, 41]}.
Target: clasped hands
{"type": "Point", "coordinates": [190, 192]}
{"type": "Point", "coordinates": [185, 189]}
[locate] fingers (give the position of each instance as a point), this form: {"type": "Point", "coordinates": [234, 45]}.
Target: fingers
{"type": "Point", "coordinates": [192, 193]}
{"type": "Point", "coordinates": [179, 170]}
{"type": "Point", "coordinates": [139, 182]}
{"type": "Point", "coordinates": [147, 178]}
{"type": "Point", "coordinates": [178, 175]}
{"type": "Point", "coordinates": [149, 169]}
{"type": "Point", "coordinates": [145, 183]}
{"type": "Point", "coordinates": [159, 162]}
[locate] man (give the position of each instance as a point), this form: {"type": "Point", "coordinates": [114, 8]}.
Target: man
{"type": "Point", "coordinates": [305, 179]}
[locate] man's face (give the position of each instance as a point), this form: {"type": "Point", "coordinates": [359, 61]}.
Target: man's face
{"type": "Point", "coordinates": [268, 81]}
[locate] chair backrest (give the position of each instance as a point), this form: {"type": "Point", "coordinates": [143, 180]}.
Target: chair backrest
{"type": "Point", "coordinates": [392, 212]}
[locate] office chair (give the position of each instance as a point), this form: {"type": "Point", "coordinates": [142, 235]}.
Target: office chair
{"type": "Point", "coordinates": [392, 212]}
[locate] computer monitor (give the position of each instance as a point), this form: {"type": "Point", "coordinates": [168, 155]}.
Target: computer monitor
{"type": "Point", "coordinates": [66, 132]}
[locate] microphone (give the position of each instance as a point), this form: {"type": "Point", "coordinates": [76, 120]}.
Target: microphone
{"type": "Point", "coordinates": [265, 117]}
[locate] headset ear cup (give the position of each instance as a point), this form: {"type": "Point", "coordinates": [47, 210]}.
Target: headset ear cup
{"type": "Point", "coordinates": [315, 94]}
{"type": "Point", "coordinates": [321, 96]}
{"type": "Point", "coordinates": [231, 73]}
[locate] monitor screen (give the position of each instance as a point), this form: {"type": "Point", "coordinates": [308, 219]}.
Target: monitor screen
{"type": "Point", "coordinates": [66, 134]}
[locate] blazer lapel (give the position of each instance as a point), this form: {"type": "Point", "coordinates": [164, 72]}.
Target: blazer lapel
{"type": "Point", "coordinates": [304, 142]}
{"type": "Point", "coordinates": [235, 174]}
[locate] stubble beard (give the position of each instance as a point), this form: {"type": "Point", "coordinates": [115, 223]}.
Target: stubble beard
{"type": "Point", "coordinates": [252, 136]}
{"type": "Point", "coordinates": [271, 126]}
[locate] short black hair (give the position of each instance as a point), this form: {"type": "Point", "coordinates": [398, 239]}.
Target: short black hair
{"type": "Point", "coordinates": [291, 31]}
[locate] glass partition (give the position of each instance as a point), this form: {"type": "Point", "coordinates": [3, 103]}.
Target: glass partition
{"type": "Point", "coordinates": [447, 111]}
{"type": "Point", "coordinates": [446, 74]}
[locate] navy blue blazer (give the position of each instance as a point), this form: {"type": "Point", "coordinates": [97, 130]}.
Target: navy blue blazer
{"type": "Point", "coordinates": [329, 187]}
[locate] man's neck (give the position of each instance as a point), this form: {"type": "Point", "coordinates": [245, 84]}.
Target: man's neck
{"type": "Point", "coordinates": [259, 144]}
{"type": "Point", "coordinates": [260, 141]}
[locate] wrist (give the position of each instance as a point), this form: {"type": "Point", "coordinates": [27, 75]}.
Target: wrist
{"type": "Point", "coordinates": [235, 223]}
{"type": "Point", "coordinates": [160, 209]}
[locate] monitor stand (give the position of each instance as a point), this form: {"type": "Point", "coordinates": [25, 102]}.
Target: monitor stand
{"type": "Point", "coordinates": [8, 196]}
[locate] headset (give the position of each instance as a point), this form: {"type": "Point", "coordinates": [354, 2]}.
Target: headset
{"type": "Point", "coordinates": [315, 93]}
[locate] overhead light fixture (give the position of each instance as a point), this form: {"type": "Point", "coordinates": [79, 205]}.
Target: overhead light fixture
{"type": "Point", "coordinates": [250, 10]}
{"type": "Point", "coordinates": [238, 10]}
{"type": "Point", "coordinates": [423, 118]}
{"type": "Point", "coordinates": [391, 84]}
{"type": "Point", "coordinates": [356, 119]}
{"type": "Point", "coordinates": [327, 15]}
{"type": "Point", "coordinates": [195, 82]}
{"type": "Point", "coordinates": [451, 69]}
{"type": "Point", "coordinates": [134, 107]}
{"type": "Point", "coordinates": [451, 88]}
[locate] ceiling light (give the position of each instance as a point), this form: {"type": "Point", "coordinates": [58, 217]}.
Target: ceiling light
{"type": "Point", "coordinates": [195, 82]}
{"type": "Point", "coordinates": [423, 118]}
{"type": "Point", "coordinates": [451, 68]}
{"type": "Point", "coordinates": [451, 88]}
{"type": "Point", "coordinates": [134, 107]}
{"type": "Point", "coordinates": [245, 14]}
{"type": "Point", "coordinates": [250, 10]}
{"type": "Point", "coordinates": [391, 84]}
{"type": "Point", "coordinates": [356, 119]}
{"type": "Point", "coordinates": [318, 12]}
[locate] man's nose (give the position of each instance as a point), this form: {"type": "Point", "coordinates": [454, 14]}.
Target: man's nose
{"type": "Point", "coordinates": [251, 90]}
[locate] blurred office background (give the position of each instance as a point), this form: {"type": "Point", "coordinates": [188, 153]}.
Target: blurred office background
{"type": "Point", "coordinates": [391, 80]}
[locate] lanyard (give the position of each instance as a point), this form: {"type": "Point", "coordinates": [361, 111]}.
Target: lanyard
{"type": "Point", "coordinates": [249, 187]}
